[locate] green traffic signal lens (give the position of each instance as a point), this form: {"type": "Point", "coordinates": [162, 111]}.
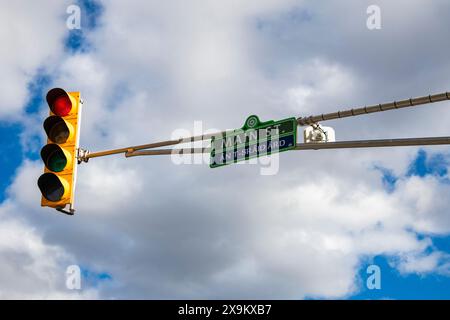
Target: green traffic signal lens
{"type": "Point", "coordinates": [51, 187]}
{"type": "Point", "coordinates": [54, 158]}
{"type": "Point", "coordinates": [57, 161]}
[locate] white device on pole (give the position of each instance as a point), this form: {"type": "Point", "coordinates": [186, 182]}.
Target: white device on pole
{"type": "Point", "coordinates": [318, 134]}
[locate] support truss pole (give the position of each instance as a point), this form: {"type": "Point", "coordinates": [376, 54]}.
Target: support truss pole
{"type": "Point", "coordinates": [152, 145]}
{"type": "Point", "coordinates": [304, 121]}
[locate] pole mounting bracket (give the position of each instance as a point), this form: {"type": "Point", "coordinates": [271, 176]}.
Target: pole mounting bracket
{"type": "Point", "coordinates": [69, 212]}
{"type": "Point", "coordinates": [82, 155]}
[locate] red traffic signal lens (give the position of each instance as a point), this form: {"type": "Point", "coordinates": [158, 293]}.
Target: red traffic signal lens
{"type": "Point", "coordinates": [59, 102]}
{"type": "Point", "coordinates": [51, 187]}
{"type": "Point", "coordinates": [54, 158]}
{"type": "Point", "coordinates": [62, 106]}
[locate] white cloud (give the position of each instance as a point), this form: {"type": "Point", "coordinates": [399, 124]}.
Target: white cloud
{"type": "Point", "coordinates": [317, 79]}
{"type": "Point", "coordinates": [426, 200]}
{"type": "Point", "coordinates": [32, 34]}
{"type": "Point", "coordinates": [423, 263]}
{"type": "Point", "coordinates": [30, 268]}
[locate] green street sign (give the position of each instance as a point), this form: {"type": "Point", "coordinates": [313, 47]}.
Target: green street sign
{"type": "Point", "coordinates": [254, 139]}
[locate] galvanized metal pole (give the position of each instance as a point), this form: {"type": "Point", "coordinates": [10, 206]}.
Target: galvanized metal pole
{"type": "Point", "coordinates": [316, 146]}
{"type": "Point", "coordinates": [303, 121]}
{"type": "Point", "coordinates": [152, 145]}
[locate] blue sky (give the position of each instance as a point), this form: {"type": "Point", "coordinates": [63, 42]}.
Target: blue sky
{"type": "Point", "coordinates": [394, 284]}
{"type": "Point", "coordinates": [11, 154]}
{"type": "Point", "coordinates": [397, 286]}
{"type": "Point", "coordinates": [81, 44]}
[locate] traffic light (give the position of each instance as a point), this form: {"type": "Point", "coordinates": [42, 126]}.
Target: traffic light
{"type": "Point", "coordinates": [57, 183]}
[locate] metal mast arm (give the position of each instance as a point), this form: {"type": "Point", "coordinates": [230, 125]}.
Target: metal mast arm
{"type": "Point", "coordinates": [150, 145]}
{"type": "Point", "coordinates": [302, 121]}
{"type": "Point", "coordinates": [316, 146]}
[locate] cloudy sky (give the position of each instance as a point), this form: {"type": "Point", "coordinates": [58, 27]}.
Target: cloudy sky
{"type": "Point", "coordinates": [146, 227]}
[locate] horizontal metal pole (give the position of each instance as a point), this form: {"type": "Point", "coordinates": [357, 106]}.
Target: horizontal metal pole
{"type": "Point", "coordinates": [375, 143]}
{"type": "Point", "coordinates": [153, 145]}
{"type": "Point", "coordinates": [316, 146]}
{"type": "Point", "coordinates": [159, 152]}
{"type": "Point", "coordinates": [303, 121]}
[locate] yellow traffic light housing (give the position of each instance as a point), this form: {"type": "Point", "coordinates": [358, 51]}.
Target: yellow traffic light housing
{"type": "Point", "coordinates": [57, 184]}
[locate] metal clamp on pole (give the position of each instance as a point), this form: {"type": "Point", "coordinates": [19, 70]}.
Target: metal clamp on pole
{"type": "Point", "coordinates": [82, 155]}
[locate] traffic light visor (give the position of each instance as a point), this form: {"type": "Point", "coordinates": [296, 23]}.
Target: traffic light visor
{"type": "Point", "coordinates": [52, 187]}
{"type": "Point", "coordinates": [60, 102]}
{"type": "Point", "coordinates": [58, 130]}
{"type": "Point", "coordinates": [55, 157]}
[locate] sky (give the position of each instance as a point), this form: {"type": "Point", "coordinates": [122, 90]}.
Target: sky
{"type": "Point", "coordinates": [149, 228]}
